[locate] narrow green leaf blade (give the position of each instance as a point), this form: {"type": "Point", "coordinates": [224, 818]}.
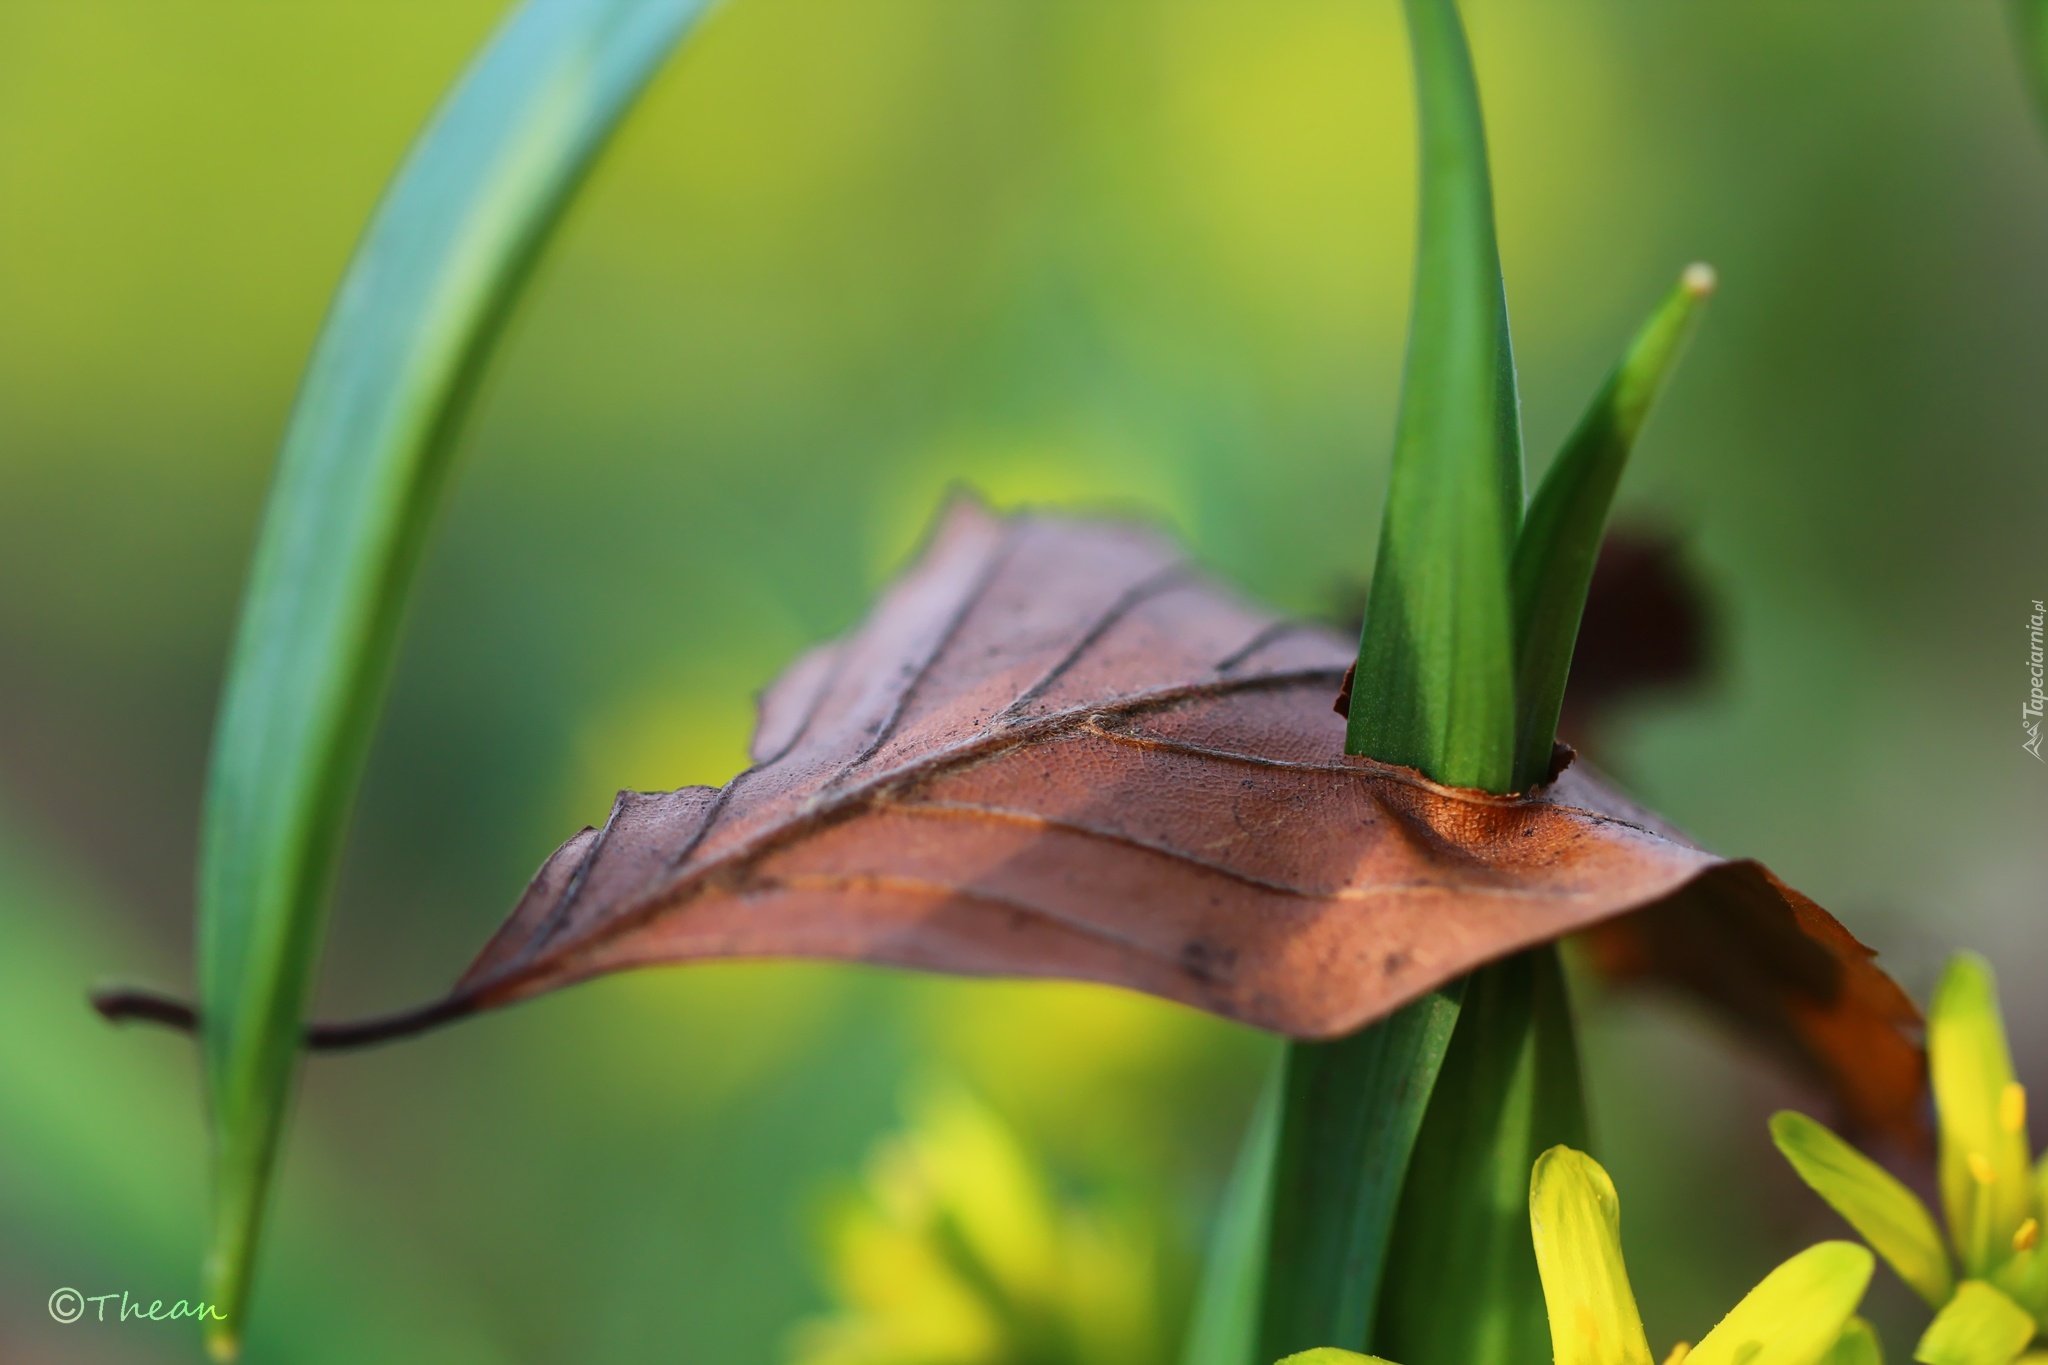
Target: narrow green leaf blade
{"type": "Point", "coordinates": [1980, 1326]}
{"type": "Point", "coordinates": [1435, 683]}
{"type": "Point", "coordinates": [1225, 1329]}
{"type": "Point", "coordinates": [1350, 1110]}
{"type": "Point", "coordinates": [2030, 35]}
{"type": "Point", "coordinates": [1462, 1286]}
{"type": "Point", "coordinates": [1560, 536]}
{"type": "Point", "coordinates": [1575, 1220]}
{"type": "Point", "coordinates": [362, 464]}
{"type": "Point", "coordinates": [1330, 1355]}
{"type": "Point", "coordinates": [1888, 1215]}
{"type": "Point", "coordinates": [1986, 1170]}
{"type": "Point", "coordinates": [1797, 1314]}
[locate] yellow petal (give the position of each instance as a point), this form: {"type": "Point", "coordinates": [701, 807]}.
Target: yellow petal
{"type": "Point", "coordinates": [1796, 1315]}
{"type": "Point", "coordinates": [1986, 1185]}
{"type": "Point", "coordinates": [1576, 1218]}
{"type": "Point", "coordinates": [1890, 1216]}
{"type": "Point", "coordinates": [1858, 1345]}
{"type": "Point", "coordinates": [1980, 1326]}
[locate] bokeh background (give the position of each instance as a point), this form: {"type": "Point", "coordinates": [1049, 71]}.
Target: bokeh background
{"type": "Point", "coordinates": [1148, 255]}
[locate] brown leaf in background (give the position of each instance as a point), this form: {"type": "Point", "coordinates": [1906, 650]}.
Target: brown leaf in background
{"type": "Point", "coordinates": [1053, 750]}
{"type": "Point", "coordinates": [1648, 628]}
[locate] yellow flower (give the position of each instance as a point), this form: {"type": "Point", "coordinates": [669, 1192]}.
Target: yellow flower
{"type": "Point", "coordinates": [1802, 1314]}
{"type": "Point", "coordinates": [1989, 1281]}
{"type": "Point", "coordinates": [954, 1251]}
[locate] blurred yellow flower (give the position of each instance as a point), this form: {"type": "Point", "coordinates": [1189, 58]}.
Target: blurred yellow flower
{"type": "Point", "coordinates": [955, 1250]}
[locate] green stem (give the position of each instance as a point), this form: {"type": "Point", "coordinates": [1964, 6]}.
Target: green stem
{"type": "Point", "coordinates": [1434, 689]}
{"type": "Point", "coordinates": [1350, 1111]}
{"type": "Point", "coordinates": [1462, 1287]}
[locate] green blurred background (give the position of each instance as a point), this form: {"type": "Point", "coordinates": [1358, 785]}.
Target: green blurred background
{"type": "Point", "coordinates": [1149, 254]}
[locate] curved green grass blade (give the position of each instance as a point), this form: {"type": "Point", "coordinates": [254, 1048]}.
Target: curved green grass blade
{"type": "Point", "coordinates": [2030, 33]}
{"type": "Point", "coordinates": [1462, 1286]}
{"type": "Point", "coordinates": [1560, 535]}
{"type": "Point", "coordinates": [362, 464]}
{"type": "Point", "coordinates": [1225, 1327]}
{"type": "Point", "coordinates": [1436, 679]}
{"type": "Point", "coordinates": [1350, 1110]}
{"type": "Point", "coordinates": [1888, 1215]}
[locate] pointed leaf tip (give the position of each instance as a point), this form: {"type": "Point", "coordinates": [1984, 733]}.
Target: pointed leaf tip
{"type": "Point", "coordinates": [1559, 541]}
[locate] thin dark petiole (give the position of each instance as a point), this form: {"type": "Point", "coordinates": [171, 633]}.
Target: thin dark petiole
{"type": "Point", "coordinates": [124, 1004]}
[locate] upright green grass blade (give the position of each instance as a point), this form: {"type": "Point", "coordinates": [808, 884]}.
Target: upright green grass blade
{"type": "Point", "coordinates": [1560, 536]}
{"type": "Point", "coordinates": [1349, 1114]}
{"type": "Point", "coordinates": [1436, 677]}
{"type": "Point", "coordinates": [1225, 1329]}
{"type": "Point", "coordinates": [1462, 1286]}
{"type": "Point", "coordinates": [362, 464]}
{"type": "Point", "coordinates": [2030, 31]}
{"type": "Point", "coordinates": [1434, 690]}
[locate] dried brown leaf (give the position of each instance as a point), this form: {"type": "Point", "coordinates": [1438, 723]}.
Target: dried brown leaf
{"type": "Point", "coordinates": [1054, 750]}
